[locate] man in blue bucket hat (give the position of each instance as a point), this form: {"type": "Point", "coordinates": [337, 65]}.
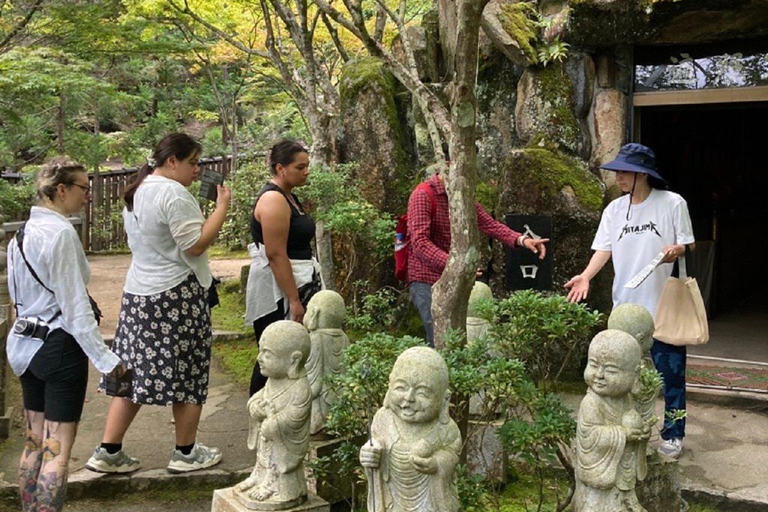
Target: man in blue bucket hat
{"type": "Point", "coordinates": [634, 229]}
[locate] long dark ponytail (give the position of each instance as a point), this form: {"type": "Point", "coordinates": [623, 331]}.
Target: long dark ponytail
{"type": "Point", "coordinates": [179, 145]}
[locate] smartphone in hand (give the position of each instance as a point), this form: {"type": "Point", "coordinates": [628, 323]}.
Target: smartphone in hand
{"type": "Point", "coordinates": [209, 179]}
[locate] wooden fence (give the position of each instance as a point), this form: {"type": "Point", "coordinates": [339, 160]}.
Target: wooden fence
{"type": "Point", "coordinates": [102, 222]}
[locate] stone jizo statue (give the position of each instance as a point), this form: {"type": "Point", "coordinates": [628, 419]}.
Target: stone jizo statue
{"type": "Point", "coordinates": [477, 326]}
{"type": "Point", "coordinates": [279, 426]}
{"type": "Point", "coordinates": [324, 319]}
{"type": "Point", "coordinates": [637, 321]}
{"type": "Point", "coordinates": [411, 458]}
{"type": "Point", "coordinates": [634, 319]}
{"type": "Point", "coordinates": [611, 436]}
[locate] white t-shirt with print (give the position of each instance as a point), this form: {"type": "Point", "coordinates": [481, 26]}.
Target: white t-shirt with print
{"type": "Point", "coordinates": [166, 221]}
{"type": "Point", "coordinates": [661, 220]}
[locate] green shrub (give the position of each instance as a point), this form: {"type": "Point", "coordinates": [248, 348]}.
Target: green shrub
{"type": "Point", "coordinates": [544, 331]}
{"type": "Point", "coordinates": [245, 184]}
{"type": "Point", "coordinates": [17, 199]}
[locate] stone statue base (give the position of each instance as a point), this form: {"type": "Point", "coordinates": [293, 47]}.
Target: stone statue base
{"type": "Point", "coordinates": [227, 500]}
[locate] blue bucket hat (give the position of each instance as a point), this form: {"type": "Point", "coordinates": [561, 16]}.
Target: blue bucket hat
{"type": "Point", "coordinates": [634, 157]}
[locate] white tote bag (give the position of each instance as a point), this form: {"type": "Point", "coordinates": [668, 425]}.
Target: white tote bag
{"type": "Point", "coordinates": [681, 318]}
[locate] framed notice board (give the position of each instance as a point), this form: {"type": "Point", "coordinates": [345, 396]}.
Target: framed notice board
{"type": "Point", "coordinates": [525, 271]}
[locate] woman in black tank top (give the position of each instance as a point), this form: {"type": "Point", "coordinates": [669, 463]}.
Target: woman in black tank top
{"type": "Point", "coordinates": [280, 224]}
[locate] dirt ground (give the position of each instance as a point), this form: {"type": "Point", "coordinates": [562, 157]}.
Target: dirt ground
{"type": "Point", "coordinates": [108, 278]}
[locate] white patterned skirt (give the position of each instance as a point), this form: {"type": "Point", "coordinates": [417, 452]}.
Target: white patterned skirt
{"type": "Point", "coordinates": [165, 339]}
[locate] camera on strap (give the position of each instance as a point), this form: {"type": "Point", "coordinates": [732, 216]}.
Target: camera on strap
{"type": "Point", "coordinates": [32, 327]}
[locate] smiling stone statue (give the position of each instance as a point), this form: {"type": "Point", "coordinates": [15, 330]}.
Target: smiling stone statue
{"type": "Point", "coordinates": [611, 436]}
{"type": "Point", "coordinates": [411, 458]}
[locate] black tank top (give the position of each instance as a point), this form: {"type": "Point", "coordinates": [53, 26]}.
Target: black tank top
{"type": "Point", "coordinates": [300, 233]}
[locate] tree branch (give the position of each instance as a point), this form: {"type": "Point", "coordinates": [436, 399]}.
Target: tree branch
{"type": "Point", "coordinates": [220, 33]}
{"type": "Point", "coordinates": [20, 26]}
{"type": "Point", "coordinates": [334, 37]}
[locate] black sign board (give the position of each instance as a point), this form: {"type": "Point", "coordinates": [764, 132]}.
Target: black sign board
{"type": "Point", "coordinates": [525, 271]}
{"type": "Point", "coordinates": [208, 182]}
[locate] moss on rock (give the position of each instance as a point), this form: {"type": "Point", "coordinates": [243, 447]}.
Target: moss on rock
{"type": "Point", "coordinates": [552, 174]}
{"type": "Point", "coordinates": [519, 21]}
{"type": "Point", "coordinates": [378, 139]}
{"type": "Point", "coordinates": [546, 110]}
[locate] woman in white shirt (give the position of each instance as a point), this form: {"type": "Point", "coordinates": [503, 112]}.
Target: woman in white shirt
{"type": "Point", "coordinates": [633, 230]}
{"type": "Point", "coordinates": [55, 332]}
{"type": "Point", "coordinates": [164, 330]}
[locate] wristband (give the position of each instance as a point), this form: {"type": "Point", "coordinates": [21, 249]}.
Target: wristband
{"type": "Point", "coordinates": [521, 240]}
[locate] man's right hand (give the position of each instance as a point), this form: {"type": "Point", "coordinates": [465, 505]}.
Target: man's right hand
{"type": "Point", "coordinates": [579, 288]}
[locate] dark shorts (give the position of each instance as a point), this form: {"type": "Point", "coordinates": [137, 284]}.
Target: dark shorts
{"type": "Point", "coordinates": [56, 379]}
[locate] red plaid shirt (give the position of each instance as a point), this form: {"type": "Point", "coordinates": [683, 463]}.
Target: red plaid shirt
{"type": "Point", "coordinates": [430, 237]}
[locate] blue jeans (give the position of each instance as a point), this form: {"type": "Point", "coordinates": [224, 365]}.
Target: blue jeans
{"type": "Point", "coordinates": [421, 296]}
{"type": "Point", "coordinates": [670, 362]}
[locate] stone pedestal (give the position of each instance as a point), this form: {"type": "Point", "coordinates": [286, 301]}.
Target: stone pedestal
{"type": "Point", "coordinates": [485, 454]}
{"type": "Point", "coordinates": [660, 491]}
{"type": "Point", "coordinates": [332, 484]}
{"type": "Point", "coordinates": [225, 500]}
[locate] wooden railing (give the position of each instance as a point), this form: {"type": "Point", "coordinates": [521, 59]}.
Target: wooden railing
{"type": "Point", "coordinates": [102, 224]}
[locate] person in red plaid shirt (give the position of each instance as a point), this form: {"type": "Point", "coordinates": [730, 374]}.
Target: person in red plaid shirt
{"type": "Point", "coordinates": [430, 241]}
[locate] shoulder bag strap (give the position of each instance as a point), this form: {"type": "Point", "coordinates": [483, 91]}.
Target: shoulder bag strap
{"type": "Point", "coordinates": [20, 243]}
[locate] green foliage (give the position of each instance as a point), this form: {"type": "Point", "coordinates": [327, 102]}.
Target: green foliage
{"type": "Point", "coordinates": [527, 26]}
{"type": "Point", "coordinates": [556, 51]}
{"type": "Point", "coordinates": [546, 332]}
{"type": "Point", "coordinates": [105, 225]}
{"type": "Point", "coordinates": [651, 383]}
{"type": "Point", "coordinates": [17, 199]}
{"type": "Point", "coordinates": [245, 185]}
{"type": "Point", "coordinates": [388, 309]}
{"type": "Point", "coordinates": [336, 201]}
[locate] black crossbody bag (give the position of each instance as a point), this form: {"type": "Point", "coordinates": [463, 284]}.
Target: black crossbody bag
{"type": "Point", "coordinates": [20, 242]}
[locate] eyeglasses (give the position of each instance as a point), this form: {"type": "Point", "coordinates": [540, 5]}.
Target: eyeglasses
{"type": "Point", "coordinates": [86, 188]}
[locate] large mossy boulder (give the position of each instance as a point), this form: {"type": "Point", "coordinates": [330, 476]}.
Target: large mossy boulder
{"type": "Point", "coordinates": [496, 93]}
{"type": "Point", "coordinates": [545, 181]}
{"type": "Point", "coordinates": [377, 133]}
{"type": "Point", "coordinates": [548, 102]}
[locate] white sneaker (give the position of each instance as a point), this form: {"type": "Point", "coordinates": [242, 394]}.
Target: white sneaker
{"type": "Point", "coordinates": [105, 462]}
{"type": "Point", "coordinates": [200, 457]}
{"type": "Point", "coordinates": [672, 448]}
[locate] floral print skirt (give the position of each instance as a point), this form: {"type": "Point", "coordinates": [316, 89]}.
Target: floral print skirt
{"type": "Point", "coordinates": [165, 339]}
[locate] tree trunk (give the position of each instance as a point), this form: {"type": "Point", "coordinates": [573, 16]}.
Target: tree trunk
{"type": "Point", "coordinates": [325, 255]}
{"type": "Point", "coordinates": [323, 152]}
{"type": "Point", "coordinates": [451, 293]}
{"type": "Point", "coordinates": [448, 19]}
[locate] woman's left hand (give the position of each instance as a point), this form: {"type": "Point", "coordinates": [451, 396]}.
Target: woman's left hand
{"type": "Point", "coordinates": [536, 246]}
{"type": "Point", "coordinates": [672, 252]}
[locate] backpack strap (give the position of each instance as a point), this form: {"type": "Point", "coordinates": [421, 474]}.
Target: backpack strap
{"type": "Point", "coordinates": [20, 243]}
